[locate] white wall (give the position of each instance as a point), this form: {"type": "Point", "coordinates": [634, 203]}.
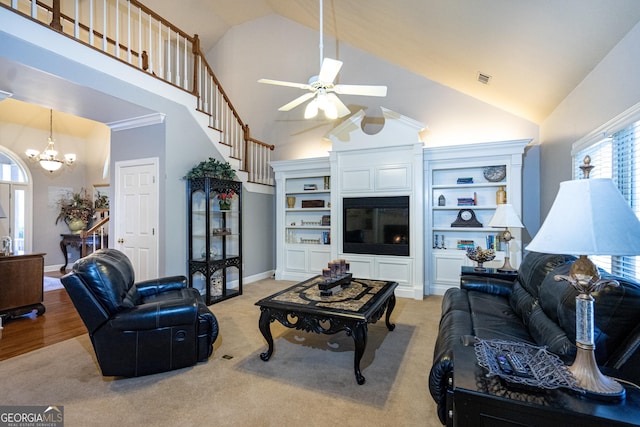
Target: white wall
{"type": "Point", "coordinates": [611, 88]}
{"type": "Point", "coordinates": [274, 47]}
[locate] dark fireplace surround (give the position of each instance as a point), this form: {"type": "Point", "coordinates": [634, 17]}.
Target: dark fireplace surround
{"type": "Point", "coordinates": [376, 225]}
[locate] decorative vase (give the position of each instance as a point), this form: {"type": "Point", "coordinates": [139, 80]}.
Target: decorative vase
{"type": "Point", "coordinates": [225, 205]}
{"type": "Point", "coordinates": [291, 202]}
{"type": "Point", "coordinates": [501, 196]}
{"type": "Point", "coordinates": [77, 225]}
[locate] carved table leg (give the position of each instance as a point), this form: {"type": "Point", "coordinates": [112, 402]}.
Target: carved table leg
{"type": "Point", "coordinates": [63, 248]}
{"type": "Point", "coordinates": [390, 306]}
{"type": "Point", "coordinates": [360, 338]}
{"type": "Point", "coordinates": [265, 327]}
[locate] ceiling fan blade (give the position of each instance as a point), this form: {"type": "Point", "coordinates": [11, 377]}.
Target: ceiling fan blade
{"type": "Point", "coordinates": [299, 100]}
{"type": "Point", "coordinates": [365, 90]}
{"type": "Point", "coordinates": [342, 109]}
{"type": "Point", "coordinates": [329, 70]}
{"type": "Point", "coordinates": [281, 83]}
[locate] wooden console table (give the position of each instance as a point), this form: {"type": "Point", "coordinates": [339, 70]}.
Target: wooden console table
{"type": "Point", "coordinates": [85, 244]}
{"type": "Point", "coordinates": [21, 286]}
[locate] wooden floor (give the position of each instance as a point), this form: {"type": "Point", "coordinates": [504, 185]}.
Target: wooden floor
{"type": "Point", "coordinates": [59, 322]}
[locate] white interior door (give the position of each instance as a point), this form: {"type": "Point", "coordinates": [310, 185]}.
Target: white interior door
{"type": "Point", "coordinates": [136, 210]}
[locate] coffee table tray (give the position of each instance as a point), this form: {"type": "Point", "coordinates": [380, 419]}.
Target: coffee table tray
{"type": "Point", "coordinates": [546, 370]}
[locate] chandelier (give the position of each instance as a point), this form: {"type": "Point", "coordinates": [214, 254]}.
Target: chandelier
{"type": "Point", "coordinates": [48, 158]}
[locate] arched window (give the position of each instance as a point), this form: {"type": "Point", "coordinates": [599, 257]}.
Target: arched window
{"type": "Point", "coordinates": [15, 201]}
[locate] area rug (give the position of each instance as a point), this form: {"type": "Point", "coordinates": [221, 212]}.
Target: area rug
{"type": "Point", "coordinates": [308, 381]}
{"type": "Point", "coordinates": [51, 283]}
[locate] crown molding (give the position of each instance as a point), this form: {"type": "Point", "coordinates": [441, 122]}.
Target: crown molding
{"type": "Point", "coordinates": [136, 122]}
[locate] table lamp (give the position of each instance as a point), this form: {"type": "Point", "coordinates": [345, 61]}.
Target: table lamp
{"type": "Point", "coordinates": [505, 216]}
{"type": "Point", "coordinates": [589, 217]}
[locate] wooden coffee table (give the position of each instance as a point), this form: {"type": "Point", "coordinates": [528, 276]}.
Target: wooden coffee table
{"type": "Point", "coordinates": [350, 309]}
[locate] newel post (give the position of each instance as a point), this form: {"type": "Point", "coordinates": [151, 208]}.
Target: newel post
{"type": "Point", "coordinates": [56, 23]}
{"type": "Point", "coordinates": [247, 137]}
{"type": "Point", "coordinates": [195, 49]}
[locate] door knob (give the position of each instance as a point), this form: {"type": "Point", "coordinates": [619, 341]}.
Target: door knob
{"type": "Point", "coordinates": [120, 240]}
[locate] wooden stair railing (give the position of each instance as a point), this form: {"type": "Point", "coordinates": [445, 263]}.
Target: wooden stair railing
{"type": "Point", "coordinates": [132, 33]}
{"type": "Point", "coordinates": [99, 229]}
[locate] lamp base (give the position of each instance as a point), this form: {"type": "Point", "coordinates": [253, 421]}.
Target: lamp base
{"type": "Point", "coordinates": [506, 267]}
{"type": "Point", "coordinates": [590, 379]}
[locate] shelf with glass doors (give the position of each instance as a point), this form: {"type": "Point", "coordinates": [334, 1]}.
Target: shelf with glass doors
{"type": "Point", "coordinates": [215, 238]}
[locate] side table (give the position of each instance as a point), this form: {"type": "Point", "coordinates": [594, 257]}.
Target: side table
{"type": "Point", "coordinates": [492, 273]}
{"type": "Point", "coordinates": [86, 244]}
{"type": "Point", "coordinates": [478, 400]}
{"type": "Point", "coordinates": [21, 285]}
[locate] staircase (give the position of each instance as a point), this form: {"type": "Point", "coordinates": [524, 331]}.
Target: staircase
{"type": "Point", "coordinates": [130, 32]}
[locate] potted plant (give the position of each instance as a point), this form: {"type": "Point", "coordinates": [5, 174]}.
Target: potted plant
{"type": "Point", "coordinates": [76, 210]}
{"type": "Point", "coordinates": [212, 168]}
{"type": "Point", "coordinates": [224, 199]}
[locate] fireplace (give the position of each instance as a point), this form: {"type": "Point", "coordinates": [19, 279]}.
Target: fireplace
{"type": "Point", "coordinates": [376, 225]}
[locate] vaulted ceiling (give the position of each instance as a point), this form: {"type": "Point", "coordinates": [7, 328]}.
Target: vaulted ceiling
{"type": "Point", "coordinates": [535, 52]}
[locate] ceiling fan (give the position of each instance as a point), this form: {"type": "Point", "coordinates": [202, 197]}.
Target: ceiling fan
{"type": "Point", "coordinates": [323, 90]}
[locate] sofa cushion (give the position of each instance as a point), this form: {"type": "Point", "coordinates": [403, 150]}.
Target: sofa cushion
{"type": "Point", "coordinates": [536, 266]}
{"type": "Point", "coordinates": [493, 318]}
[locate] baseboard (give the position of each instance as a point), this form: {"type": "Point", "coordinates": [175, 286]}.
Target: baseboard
{"type": "Point", "coordinates": [56, 268]}
{"type": "Point", "coordinates": [260, 276]}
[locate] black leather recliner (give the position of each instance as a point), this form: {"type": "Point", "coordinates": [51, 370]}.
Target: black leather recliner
{"type": "Point", "coordinates": [139, 328]}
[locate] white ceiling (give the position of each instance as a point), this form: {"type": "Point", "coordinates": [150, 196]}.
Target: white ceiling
{"type": "Point", "coordinates": [536, 51]}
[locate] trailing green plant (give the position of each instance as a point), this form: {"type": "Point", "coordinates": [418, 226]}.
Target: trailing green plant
{"type": "Point", "coordinates": [212, 168]}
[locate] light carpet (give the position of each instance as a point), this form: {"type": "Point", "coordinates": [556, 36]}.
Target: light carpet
{"type": "Point", "coordinates": [308, 381]}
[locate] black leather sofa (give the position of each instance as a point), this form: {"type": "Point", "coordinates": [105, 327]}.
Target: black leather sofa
{"type": "Point", "coordinates": [535, 309]}
{"type": "Point", "coordinates": [139, 328]}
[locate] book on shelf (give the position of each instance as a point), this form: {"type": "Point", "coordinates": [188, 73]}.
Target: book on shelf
{"type": "Point", "coordinates": [465, 180]}
{"type": "Point", "coordinates": [466, 244]}
{"type": "Point", "coordinates": [494, 242]}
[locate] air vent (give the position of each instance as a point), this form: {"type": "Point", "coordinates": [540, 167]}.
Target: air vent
{"type": "Point", "coordinates": [484, 78]}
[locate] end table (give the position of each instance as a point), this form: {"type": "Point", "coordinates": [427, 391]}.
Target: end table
{"type": "Point", "coordinates": [489, 272]}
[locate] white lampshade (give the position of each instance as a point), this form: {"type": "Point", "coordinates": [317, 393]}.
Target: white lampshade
{"type": "Point", "coordinates": [505, 216]}
{"type": "Point", "coordinates": [589, 217]}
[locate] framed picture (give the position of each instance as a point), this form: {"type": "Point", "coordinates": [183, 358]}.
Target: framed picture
{"type": "Point", "coordinates": [326, 220]}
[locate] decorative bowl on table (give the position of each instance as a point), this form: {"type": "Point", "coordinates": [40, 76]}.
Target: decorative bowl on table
{"type": "Point", "coordinates": [480, 256]}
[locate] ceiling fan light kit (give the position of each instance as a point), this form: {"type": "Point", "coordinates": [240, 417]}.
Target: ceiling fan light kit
{"type": "Point", "coordinates": [323, 90]}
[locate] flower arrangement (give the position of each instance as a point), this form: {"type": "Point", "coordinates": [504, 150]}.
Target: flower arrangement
{"type": "Point", "coordinates": [101, 201]}
{"type": "Point", "coordinates": [76, 206]}
{"type": "Point", "coordinates": [226, 195]}
{"type": "Point", "coordinates": [224, 198]}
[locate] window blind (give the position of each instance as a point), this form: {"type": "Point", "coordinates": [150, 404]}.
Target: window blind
{"type": "Point", "coordinates": [614, 157]}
